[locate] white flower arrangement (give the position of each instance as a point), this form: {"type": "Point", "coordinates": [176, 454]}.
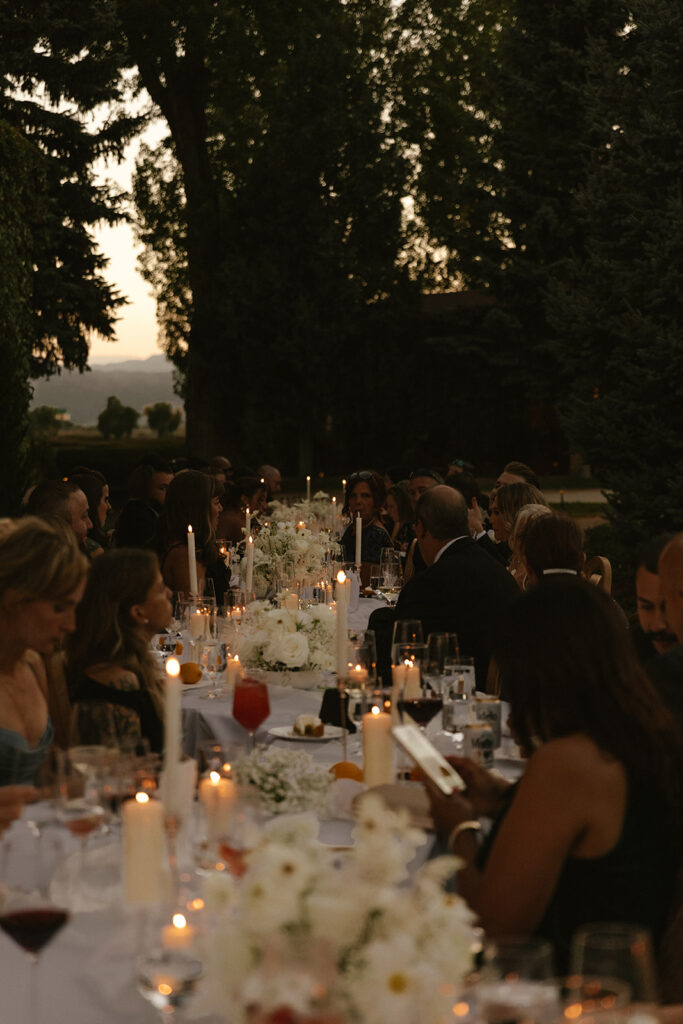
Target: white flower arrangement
{"type": "Point", "coordinates": [282, 639]}
{"type": "Point", "coordinates": [288, 781]}
{"type": "Point", "coordinates": [303, 933]}
{"type": "Point", "coordinates": [284, 551]}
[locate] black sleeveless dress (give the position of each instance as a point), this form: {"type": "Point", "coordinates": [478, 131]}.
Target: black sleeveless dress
{"type": "Point", "coordinates": [632, 883]}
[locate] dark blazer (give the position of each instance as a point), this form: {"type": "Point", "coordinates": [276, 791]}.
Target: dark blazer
{"type": "Point", "coordinates": [464, 592]}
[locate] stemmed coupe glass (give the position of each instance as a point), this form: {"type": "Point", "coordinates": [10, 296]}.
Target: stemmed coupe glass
{"type": "Point", "coordinates": [251, 706]}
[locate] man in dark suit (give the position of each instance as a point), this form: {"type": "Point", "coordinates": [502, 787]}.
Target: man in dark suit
{"type": "Point", "coordinates": [463, 590]}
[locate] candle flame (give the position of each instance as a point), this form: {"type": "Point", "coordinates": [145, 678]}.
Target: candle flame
{"type": "Point", "coordinates": [341, 577]}
{"type": "Point", "coordinates": [251, 539]}
{"type": "Point", "coordinates": [357, 668]}
{"type": "Point", "coordinates": [408, 663]}
{"type": "Point", "coordinates": [189, 529]}
{"type": "Point", "coordinates": [376, 711]}
{"type": "Point", "coordinates": [237, 657]}
{"type": "Point", "coordinates": [247, 510]}
{"type": "Point", "coordinates": [334, 501]}
{"type": "Point", "coordinates": [179, 921]}
{"type": "Point", "coordinates": [164, 989]}
{"type": "Point", "coordinates": [343, 483]}
{"type": "Point", "coordinates": [263, 479]}
{"type": "Point", "coordinates": [197, 904]}
{"type": "Point", "coordinates": [227, 767]}
{"type": "Point", "coordinates": [215, 777]}
{"type": "Point", "coordinates": [173, 668]}
{"type": "Point", "coordinates": [308, 479]}
{"type": "Point", "coordinates": [141, 798]}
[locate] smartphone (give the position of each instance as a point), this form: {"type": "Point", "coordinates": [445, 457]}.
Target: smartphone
{"type": "Point", "coordinates": [424, 753]}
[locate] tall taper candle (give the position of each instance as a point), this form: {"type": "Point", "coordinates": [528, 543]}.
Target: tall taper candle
{"type": "Point", "coordinates": [342, 593]}
{"type": "Point", "coordinates": [359, 540]}
{"type": "Point", "coordinates": [308, 488]}
{"type": "Point", "coordinates": [250, 567]}
{"type": "Point", "coordinates": [247, 523]}
{"type": "Point", "coordinates": [192, 562]}
{"type": "Point", "coordinates": [172, 736]}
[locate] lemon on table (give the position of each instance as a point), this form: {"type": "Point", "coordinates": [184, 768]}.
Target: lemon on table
{"type": "Point", "coordinates": [347, 770]}
{"type": "Point", "coordinates": [190, 672]}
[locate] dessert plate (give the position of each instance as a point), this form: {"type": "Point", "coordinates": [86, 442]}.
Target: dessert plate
{"type": "Point", "coordinates": [284, 732]}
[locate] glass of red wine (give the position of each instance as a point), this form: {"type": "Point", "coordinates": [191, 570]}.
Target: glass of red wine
{"type": "Point", "coordinates": [27, 914]}
{"type": "Point", "coordinates": [251, 706]}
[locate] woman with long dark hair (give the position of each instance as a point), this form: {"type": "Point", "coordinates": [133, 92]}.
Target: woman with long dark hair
{"type": "Point", "coordinates": [193, 499]}
{"type": "Point", "coordinates": [592, 830]}
{"type": "Point", "coordinates": [113, 678]}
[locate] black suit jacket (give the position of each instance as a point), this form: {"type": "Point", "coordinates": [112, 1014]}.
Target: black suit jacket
{"type": "Point", "coordinates": [464, 592]}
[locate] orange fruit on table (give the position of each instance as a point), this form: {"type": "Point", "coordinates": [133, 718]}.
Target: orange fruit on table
{"type": "Point", "coordinates": [347, 770]}
{"type": "Point", "coordinates": [190, 672]}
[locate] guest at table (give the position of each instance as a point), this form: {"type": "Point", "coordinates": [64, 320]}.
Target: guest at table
{"type": "Point", "coordinates": [592, 830]}
{"type": "Point", "coordinates": [516, 473]}
{"type": "Point", "coordinates": [650, 633]}
{"type": "Point", "coordinates": [419, 481]}
{"type": "Point", "coordinates": [42, 577]}
{"type": "Point", "coordinates": [504, 506]}
{"type": "Point", "coordinates": [469, 488]}
{"type": "Point", "coordinates": [461, 591]}
{"type": "Point", "coordinates": [193, 499]}
{"type": "Point", "coordinates": [273, 480]}
{"type": "Point", "coordinates": [147, 488]}
{"type": "Point", "coordinates": [552, 546]}
{"type": "Point", "coordinates": [667, 668]}
{"type": "Point", "coordinates": [114, 680]}
{"type": "Point", "coordinates": [523, 520]}
{"type": "Point", "coordinates": [399, 512]}
{"type": "Point", "coordinates": [365, 495]}
{"type": "Point", "coordinates": [64, 499]}
{"type": "Point", "coordinates": [96, 489]}
{"type": "Point", "coordinates": [248, 492]}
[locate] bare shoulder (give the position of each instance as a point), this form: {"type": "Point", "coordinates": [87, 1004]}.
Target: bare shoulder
{"type": "Point", "coordinates": [574, 760]}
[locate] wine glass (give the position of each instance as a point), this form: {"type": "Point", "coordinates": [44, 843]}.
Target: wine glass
{"type": "Point", "coordinates": [619, 951]}
{"type": "Point", "coordinates": [441, 647]}
{"type": "Point", "coordinates": [389, 582]}
{"type": "Point", "coordinates": [81, 808]}
{"type": "Point", "coordinates": [28, 915]}
{"type": "Point", "coordinates": [167, 978]}
{"type": "Point", "coordinates": [460, 674]}
{"type": "Point", "coordinates": [517, 982]}
{"type": "Point", "coordinates": [406, 631]}
{"type": "Point", "coordinates": [251, 706]}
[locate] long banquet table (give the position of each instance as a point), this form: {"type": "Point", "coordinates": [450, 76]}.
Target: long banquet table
{"type": "Point", "coordinates": [86, 975]}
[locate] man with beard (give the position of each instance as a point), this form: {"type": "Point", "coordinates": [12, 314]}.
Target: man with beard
{"type": "Point", "coordinates": [666, 669]}
{"type": "Point", "coordinates": [649, 630]}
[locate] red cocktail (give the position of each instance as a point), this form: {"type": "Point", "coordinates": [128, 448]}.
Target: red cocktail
{"type": "Point", "coordinates": [250, 706]}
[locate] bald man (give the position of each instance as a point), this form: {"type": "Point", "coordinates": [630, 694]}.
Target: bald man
{"type": "Point", "coordinates": [463, 590]}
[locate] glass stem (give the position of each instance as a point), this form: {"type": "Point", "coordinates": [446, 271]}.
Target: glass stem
{"type": "Point", "coordinates": [32, 1001]}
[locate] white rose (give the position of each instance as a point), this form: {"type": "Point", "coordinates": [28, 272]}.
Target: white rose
{"type": "Point", "coordinates": [290, 648]}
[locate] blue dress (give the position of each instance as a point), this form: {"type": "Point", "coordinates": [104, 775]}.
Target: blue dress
{"type": "Point", "coordinates": [20, 763]}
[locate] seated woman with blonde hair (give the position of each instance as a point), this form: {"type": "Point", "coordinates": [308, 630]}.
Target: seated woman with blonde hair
{"type": "Point", "coordinates": [42, 577]}
{"type": "Point", "coordinates": [523, 520]}
{"type": "Point", "coordinates": [115, 686]}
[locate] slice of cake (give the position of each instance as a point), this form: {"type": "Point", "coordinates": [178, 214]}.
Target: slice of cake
{"type": "Point", "coordinates": [308, 725]}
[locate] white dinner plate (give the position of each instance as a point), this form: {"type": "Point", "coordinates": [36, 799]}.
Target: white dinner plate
{"type": "Point", "coordinates": [284, 732]}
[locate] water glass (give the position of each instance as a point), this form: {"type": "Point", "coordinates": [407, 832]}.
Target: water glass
{"type": "Point", "coordinates": [458, 712]}
{"type": "Point", "coordinates": [460, 675]}
{"type": "Point", "coordinates": [619, 951]}
{"type": "Point", "coordinates": [441, 648]}
{"type": "Point", "coordinates": [516, 957]}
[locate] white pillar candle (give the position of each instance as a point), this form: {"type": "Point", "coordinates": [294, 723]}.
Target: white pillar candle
{"type": "Point", "coordinates": [359, 540]}
{"type": "Point", "coordinates": [143, 850]}
{"type": "Point", "coordinates": [358, 676]}
{"type": "Point", "coordinates": [308, 488]}
{"type": "Point", "coordinates": [378, 749]}
{"type": "Point", "coordinates": [172, 736]}
{"type": "Point", "coordinates": [192, 562]}
{"type": "Point", "coordinates": [233, 670]}
{"type": "Point", "coordinates": [179, 934]}
{"type": "Point", "coordinates": [342, 597]}
{"type": "Point", "coordinates": [250, 566]}
{"type": "Point", "coordinates": [247, 522]}
{"type": "Point", "coordinates": [291, 600]}
{"type": "Point", "coordinates": [217, 796]}
{"type": "Point", "coordinates": [199, 625]}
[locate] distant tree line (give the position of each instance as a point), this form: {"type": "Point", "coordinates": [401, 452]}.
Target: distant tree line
{"type": "Point", "coordinates": [329, 169]}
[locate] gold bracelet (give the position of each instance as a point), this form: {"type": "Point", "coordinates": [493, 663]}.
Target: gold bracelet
{"type": "Point", "coordinates": [464, 826]}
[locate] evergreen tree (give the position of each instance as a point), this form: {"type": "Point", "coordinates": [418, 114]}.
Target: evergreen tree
{"type": "Point", "coordinates": [618, 313]}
